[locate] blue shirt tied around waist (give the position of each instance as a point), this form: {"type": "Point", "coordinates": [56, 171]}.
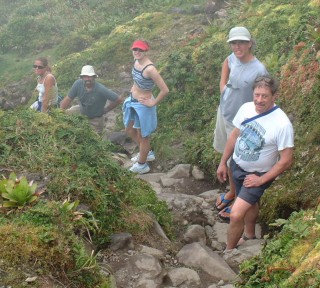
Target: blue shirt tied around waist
{"type": "Point", "coordinates": [144, 117]}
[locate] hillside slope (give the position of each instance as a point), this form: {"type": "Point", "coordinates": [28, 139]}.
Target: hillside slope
{"type": "Point", "coordinates": [188, 47]}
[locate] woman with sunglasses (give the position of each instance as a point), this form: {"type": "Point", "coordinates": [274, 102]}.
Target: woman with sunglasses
{"type": "Point", "coordinates": [47, 86]}
{"type": "Point", "coordinates": [139, 109]}
{"type": "Point", "coordinates": [239, 71]}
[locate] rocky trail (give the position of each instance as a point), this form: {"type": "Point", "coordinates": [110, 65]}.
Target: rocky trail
{"type": "Point", "coordinates": [194, 257]}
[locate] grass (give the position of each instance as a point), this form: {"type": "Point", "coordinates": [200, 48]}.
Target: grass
{"type": "Point", "coordinates": [40, 241]}
{"type": "Point", "coordinates": [289, 259]}
{"type": "Point", "coordinates": [80, 167]}
{"type": "Point", "coordinates": [92, 20]}
{"type": "Point", "coordinates": [64, 150]}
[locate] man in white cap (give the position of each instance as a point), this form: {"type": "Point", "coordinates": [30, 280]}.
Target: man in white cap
{"type": "Point", "coordinates": [92, 96]}
{"type": "Point", "coordinates": [239, 70]}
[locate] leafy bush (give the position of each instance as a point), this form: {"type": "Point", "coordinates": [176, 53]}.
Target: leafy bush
{"type": "Point", "coordinates": [289, 259]}
{"type": "Point", "coordinates": [79, 165]}
{"type": "Point", "coordinates": [43, 242]}
{"type": "Point", "coordinates": [16, 38]}
{"type": "Point", "coordinates": [74, 43]}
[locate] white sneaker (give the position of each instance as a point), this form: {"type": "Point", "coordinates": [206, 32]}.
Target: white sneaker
{"type": "Point", "coordinates": [150, 157]}
{"type": "Point", "coordinates": [140, 168]}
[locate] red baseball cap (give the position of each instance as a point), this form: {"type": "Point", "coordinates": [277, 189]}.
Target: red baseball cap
{"type": "Point", "coordinates": [143, 45]}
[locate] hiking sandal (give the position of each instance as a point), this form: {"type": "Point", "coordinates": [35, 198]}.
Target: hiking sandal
{"type": "Point", "coordinates": [223, 201]}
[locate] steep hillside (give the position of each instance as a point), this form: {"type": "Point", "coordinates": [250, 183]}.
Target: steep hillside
{"type": "Point", "coordinates": [188, 46]}
{"type": "Point", "coordinates": [73, 31]}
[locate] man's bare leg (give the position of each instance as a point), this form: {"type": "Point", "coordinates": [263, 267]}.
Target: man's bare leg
{"type": "Point", "coordinates": [237, 222]}
{"type": "Point", "coordinates": [250, 224]}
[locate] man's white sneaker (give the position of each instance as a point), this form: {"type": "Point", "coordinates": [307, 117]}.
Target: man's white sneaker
{"type": "Point", "coordinates": [150, 157]}
{"type": "Point", "coordinates": [140, 168]}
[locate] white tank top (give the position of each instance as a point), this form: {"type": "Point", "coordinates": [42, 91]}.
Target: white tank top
{"type": "Point", "coordinates": [41, 89]}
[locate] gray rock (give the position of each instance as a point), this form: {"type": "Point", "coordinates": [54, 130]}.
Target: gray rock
{"type": "Point", "coordinates": [147, 265]}
{"type": "Point", "coordinates": [201, 257]}
{"type": "Point", "coordinates": [220, 230]}
{"type": "Point", "coordinates": [121, 241]}
{"type": "Point", "coordinates": [156, 187]}
{"type": "Point", "coordinates": [186, 276]}
{"type": "Point", "coordinates": [179, 171]}
{"type": "Point", "coordinates": [217, 246]}
{"type": "Point", "coordinates": [151, 251]}
{"type": "Point", "coordinates": [152, 177]}
{"type": "Point", "coordinates": [168, 182]}
{"type": "Point", "coordinates": [147, 283]}
{"type": "Point", "coordinates": [197, 173]}
{"type": "Point", "coordinates": [195, 233]}
{"type": "Point", "coordinates": [209, 231]}
{"type": "Point", "coordinates": [210, 196]}
{"type": "Point", "coordinates": [158, 229]}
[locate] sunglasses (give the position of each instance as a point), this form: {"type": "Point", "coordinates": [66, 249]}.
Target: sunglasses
{"type": "Point", "coordinates": [138, 50]}
{"type": "Point", "coordinates": [38, 67]}
{"type": "Point", "coordinates": [264, 79]}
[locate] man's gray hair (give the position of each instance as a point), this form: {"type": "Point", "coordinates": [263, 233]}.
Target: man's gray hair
{"type": "Point", "coordinates": [268, 81]}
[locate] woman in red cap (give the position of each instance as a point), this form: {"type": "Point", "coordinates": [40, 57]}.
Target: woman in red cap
{"type": "Point", "coordinates": [139, 109]}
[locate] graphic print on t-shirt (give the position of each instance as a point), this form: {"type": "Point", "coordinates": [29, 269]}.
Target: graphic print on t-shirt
{"type": "Point", "coordinates": [250, 141]}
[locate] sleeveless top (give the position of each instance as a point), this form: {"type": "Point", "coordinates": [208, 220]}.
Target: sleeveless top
{"type": "Point", "coordinates": [41, 89]}
{"type": "Point", "coordinates": [142, 82]}
{"type": "Point", "coordinates": [239, 87]}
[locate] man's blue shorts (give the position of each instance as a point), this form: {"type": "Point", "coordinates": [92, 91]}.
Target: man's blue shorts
{"type": "Point", "coordinates": [252, 194]}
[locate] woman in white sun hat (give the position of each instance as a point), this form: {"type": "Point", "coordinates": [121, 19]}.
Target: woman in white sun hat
{"type": "Point", "coordinates": [239, 70]}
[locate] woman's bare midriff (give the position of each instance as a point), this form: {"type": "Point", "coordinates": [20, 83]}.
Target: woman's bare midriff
{"type": "Point", "coordinates": [139, 94]}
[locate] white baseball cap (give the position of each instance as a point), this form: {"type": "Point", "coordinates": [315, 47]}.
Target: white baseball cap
{"type": "Point", "coordinates": [239, 33]}
{"type": "Point", "coordinates": [88, 70]}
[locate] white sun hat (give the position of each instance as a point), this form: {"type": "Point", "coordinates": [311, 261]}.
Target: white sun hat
{"type": "Point", "coordinates": [88, 70]}
{"type": "Point", "coordinates": [239, 33]}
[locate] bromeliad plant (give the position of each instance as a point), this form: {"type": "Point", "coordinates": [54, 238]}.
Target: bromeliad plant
{"type": "Point", "coordinates": [16, 193]}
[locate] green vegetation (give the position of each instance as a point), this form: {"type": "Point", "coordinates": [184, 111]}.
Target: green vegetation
{"type": "Point", "coordinates": [291, 258]}
{"type": "Point", "coordinates": [75, 164]}
{"type": "Point", "coordinates": [17, 192]}
{"type": "Point", "coordinates": [43, 239]}
{"type": "Point", "coordinates": [77, 167]}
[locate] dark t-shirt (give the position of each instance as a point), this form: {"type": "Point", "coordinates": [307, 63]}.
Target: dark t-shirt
{"type": "Point", "coordinates": [92, 102]}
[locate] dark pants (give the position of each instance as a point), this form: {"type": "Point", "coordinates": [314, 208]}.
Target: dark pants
{"type": "Point", "coordinates": [251, 194]}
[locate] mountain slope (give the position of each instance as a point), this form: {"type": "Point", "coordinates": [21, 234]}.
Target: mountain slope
{"type": "Point", "coordinates": [188, 47]}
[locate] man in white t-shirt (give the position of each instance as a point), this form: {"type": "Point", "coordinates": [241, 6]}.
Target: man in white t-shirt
{"type": "Point", "coordinates": [261, 146]}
